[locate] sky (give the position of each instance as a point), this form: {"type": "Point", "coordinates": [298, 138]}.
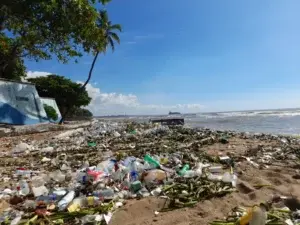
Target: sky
{"type": "Point", "coordinates": [193, 56]}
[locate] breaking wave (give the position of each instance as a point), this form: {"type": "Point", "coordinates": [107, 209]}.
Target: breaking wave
{"type": "Point", "coordinates": [265, 113]}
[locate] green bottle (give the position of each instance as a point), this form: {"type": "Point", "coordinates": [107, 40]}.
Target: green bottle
{"type": "Point", "coordinates": [152, 161]}
{"type": "Point", "coordinates": [185, 168]}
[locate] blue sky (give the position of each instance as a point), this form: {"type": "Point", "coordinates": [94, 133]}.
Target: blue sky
{"type": "Point", "coordinates": [194, 56]}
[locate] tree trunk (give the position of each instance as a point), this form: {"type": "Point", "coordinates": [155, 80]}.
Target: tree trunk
{"type": "Point", "coordinates": [82, 87]}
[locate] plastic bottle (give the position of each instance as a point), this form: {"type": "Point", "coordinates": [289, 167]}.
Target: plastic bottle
{"type": "Point", "coordinates": [47, 198]}
{"type": "Point", "coordinates": [106, 193]}
{"type": "Point", "coordinates": [95, 175]}
{"type": "Point", "coordinates": [229, 178]}
{"type": "Point", "coordinates": [185, 168]}
{"type": "Point", "coordinates": [150, 160]}
{"type": "Point", "coordinates": [24, 188]}
{"type": "Point", "coordinates": [81, 177]}
{"type": "Point", "coordinates": [133, 172]}
{"type": "Point", "coordinates": [62, 204]}
{"type": "Point", "coordinates": [215, 169]}
{"type": "Point", "coordinates": [23, 172]}
{"type": "Point", "coordinates": [59, 192]}
{"type": "Point", "coordinates": [107, 166]}
{"type": "Point", "coordinates": [214, 177]}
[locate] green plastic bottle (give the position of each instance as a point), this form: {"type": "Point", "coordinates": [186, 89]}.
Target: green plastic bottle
{"type": "Point", "coordinates": [185, 168]}
{"type": "Point", "coordinates": [152, 161]}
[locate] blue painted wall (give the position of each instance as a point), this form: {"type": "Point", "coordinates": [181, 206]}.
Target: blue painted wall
{"type": "Point", "coordinates": [20, 104]}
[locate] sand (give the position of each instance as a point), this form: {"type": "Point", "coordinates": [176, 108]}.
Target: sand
{"type": "Point", "coordinates": [279, 179]}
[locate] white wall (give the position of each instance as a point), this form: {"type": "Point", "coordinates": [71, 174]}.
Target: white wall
{"type": "Point", "coordinates": [20, 104]}
{"type": "Point", "coordinates": [51, 102]}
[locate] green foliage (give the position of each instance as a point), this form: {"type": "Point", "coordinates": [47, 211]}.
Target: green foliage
{"type": "Point", "coordinates": [63, 28]}
{"type": "Point", "coordinates": [79, 112]}
{"type": "Point", "coordinates": [50, 111]}
{"type": "Point", "coordinates": [10, 67]}
{"type": "Point", "coordinates": [66, 92]}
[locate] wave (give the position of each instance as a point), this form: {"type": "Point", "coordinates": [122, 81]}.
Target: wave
{"type": "Point", "coordinates": [263, 113]}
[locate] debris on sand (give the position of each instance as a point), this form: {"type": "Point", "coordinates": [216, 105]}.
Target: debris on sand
{"type": "Point", "coordinates": [82, 176]}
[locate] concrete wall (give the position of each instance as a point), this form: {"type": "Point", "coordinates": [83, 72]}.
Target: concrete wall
{"type": "Point", "coordinates": [20, 104]}
{"type": "Point", "coordinates": [52, 102]}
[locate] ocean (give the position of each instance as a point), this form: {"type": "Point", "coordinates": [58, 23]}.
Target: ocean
{"type": "Point", "coordinates": [282, 121]}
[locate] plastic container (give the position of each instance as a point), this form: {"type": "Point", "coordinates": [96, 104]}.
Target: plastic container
{"type": "Point", "coordinates": [106, 166]}
{"type": "Point", "coordinates": [156, 191]}
{"type": "Point", "coordinates": [47, 199]}
{"type": "Point", "coordinates": [214, 177]}
{"type": "Point", "coordinates": [136, 186]}
{"type": "Point", "coordinates": [23, 172]}
{"type": "Point", "coordinates": [215, 169]}
{"type": "Point", "coordinates": [24, 188]}
{"type": "Point", "coordinates": [152, 161]}
{"type": "Point", "coordinates": [185, 168]}
{"type": "Point", "coordinates": [95, 175]}
{"type": "Point", "coordinates": [229, 178]}
{"type": "Point", "coordinates": [41, 190]}
{"type": "Point", "coordinates": [106, 193]}
{"type": "Point", "coordinates": [58, 176]}
{"type": "Point", "coordinates": [62, 204]}
{"type": "Point", "coordinates": [60, 192]}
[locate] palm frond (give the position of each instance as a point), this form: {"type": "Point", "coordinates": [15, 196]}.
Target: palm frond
{"type": "Point", "coordinates": [116, 27]}
{"type": "Point", "coordinates": [114, 36]}
{"type": "Point", "coordinates": [103, 16]}
{"type": "Point", "coordinates": [104, 2]}
{"type": "Point", "coordinates": [111, 43]}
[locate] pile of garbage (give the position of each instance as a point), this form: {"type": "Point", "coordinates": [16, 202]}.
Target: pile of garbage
{"type": "Point", "coordinates": [83, 175]}
{"type": "Point", "coordinates": [77, 177]}
{"type": "Point", "coordinates": [280, 210]}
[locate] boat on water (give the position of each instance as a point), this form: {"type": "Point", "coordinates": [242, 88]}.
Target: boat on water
{"type": "Point", "coordinates": [174, 113]}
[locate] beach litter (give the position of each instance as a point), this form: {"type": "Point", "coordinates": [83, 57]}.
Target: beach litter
{"type": "Point", "coordinates": [83, 176]}
{"type": "Point", "coordinates": [261, 214]}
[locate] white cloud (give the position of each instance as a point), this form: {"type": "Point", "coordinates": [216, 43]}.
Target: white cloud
{"type": "Point", "coordinates": [34, 74]}
{"type": "Point", "coordinates": [115, 103]}
{"type": "Point", "coordinates": [137, 38]}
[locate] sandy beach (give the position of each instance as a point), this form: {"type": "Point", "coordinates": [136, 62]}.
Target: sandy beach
{"type": "Point", "coordinates": [276, 177]}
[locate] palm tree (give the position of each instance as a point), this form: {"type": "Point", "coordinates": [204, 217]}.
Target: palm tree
{"type": "Point", "coordinates": [110, 37]}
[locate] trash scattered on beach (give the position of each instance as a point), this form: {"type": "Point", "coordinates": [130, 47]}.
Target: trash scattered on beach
{"type": "Point", "coordinates": [261, 214]}
{"type": "Point", "coordinates": [87, 174]}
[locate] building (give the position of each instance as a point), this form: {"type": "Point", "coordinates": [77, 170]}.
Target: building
{"type": "Point", "coordinates": [20, 104]}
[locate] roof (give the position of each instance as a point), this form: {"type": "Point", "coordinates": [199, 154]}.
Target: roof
{"type": "Point", "coordinates": [15, 81]}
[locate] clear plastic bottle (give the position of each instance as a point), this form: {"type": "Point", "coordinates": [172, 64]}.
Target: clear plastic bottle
{"type": "Point", "coordinates": [62, 204]}
{"type": "Point", "coordinates": [23, 172]}
{"type": "Point", "coordinates": [47, 198]}
{"type": "Point", "coordinates": [24, 188]}
{"type": "Point", "coordinates": [105, 193]}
